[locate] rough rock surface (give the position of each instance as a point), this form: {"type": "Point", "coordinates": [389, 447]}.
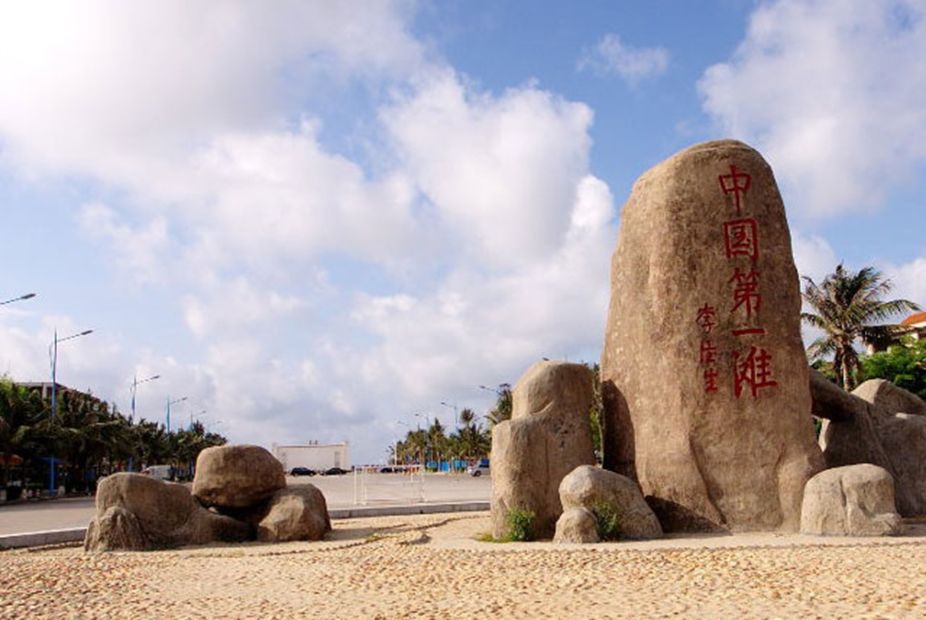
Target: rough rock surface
{"type": "Point", "coordinates": [713, 422]}
{"type": "Point", "coordinates": [576, 525]}
{"type": "Point", "coordinates": [857, 431]}
{"type": "Point", "coordinates": [548, 436]}
{"type": "Point", "coordinates": [137, 512]}
{"type": "Point", "coordinates": [589, 486]}
{"type": "Point", "coordinates": [237, 476]}
{"type": "Point", "coordinates": [856, 500]}
{"type": "Point", "coordinates": [295, 513]}
{"type": "Point", "coordinates": [891, 398]}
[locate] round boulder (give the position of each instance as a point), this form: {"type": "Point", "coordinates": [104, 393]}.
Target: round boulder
{"type": "Point", "coordinates": [237, 476]}
{"type": "Point", "coordinates": [295, 513]}
{"type": "Point", "coordinates": [855, 500]}
{"type": "Point", "coordinates": [594, 489]}
{"type": "Point", "coordinates": [576, 525]}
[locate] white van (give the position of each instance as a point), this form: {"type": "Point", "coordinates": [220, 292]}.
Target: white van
{"type": "Point", "coordinates": [161, 472]}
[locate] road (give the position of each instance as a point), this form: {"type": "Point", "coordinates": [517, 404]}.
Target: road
{"type": "Point", "coordinates": [339, 491]}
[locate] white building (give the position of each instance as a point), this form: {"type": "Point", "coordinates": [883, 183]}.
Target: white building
{"type": "Point", "coordinates": [314, 455]}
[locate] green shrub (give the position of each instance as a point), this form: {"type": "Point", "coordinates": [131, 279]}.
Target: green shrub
{"type": "Point", "coordinates": [607, 521]}
{"type": "Point", "coordinates": [520, 525]}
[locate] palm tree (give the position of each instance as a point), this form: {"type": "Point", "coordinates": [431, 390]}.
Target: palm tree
{"type": "Point", "coordinates": [845, 305]}
{"type": "Point", "coordinates": [503, 406]}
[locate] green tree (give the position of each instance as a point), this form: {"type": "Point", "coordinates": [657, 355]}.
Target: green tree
{"type": "Point", "coordinates": [503, 405]}
{"type": "Point", "coordinates": [902, 364]}
{"type": "Point", "coordinates": [846, 305]}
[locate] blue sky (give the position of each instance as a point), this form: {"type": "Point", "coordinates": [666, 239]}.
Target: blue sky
{"type": "Point", "coordinates": [318, 219]}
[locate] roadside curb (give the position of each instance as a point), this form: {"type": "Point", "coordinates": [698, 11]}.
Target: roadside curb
{"type": "Point", "coordinates": [76, 534]}
{"type": "Point", "coordinates": [48, 537]}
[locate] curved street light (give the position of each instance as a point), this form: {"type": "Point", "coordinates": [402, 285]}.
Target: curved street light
{"type": "Point", "coordinates": [53, 358]}
{"type": "Point", "coordinates": [20, 298]}
{"type": "Point", "coordinates": [135, 384]}
{"type": "Point", "coordinates": [169, 403]}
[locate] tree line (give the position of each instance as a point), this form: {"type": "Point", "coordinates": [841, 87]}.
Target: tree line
{"type": "Point", "coordinates": [87, 439]}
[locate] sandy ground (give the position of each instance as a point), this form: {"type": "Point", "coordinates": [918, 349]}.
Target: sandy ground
{"type": "Point", "coordinates": [432, 567]}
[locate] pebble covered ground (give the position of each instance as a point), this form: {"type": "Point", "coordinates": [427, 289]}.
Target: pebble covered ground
{"type": "Point", "coordinates": [431, 567]}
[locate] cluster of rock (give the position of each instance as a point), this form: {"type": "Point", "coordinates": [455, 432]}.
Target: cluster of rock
{"type": "Point", "coordinates": [878, 423]}
{"type": "Point", "coordinates": [706, 391]}
{"type": "Point", "coordinates": [239, 493]}
{"type": "Point", "coordinates": [547, 437]}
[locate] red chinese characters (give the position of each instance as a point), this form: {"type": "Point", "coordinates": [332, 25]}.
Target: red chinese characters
{"type": "Point", "coordinates": [736, 183]}
{"type": "Point", "coordinates": [746, 292]}
{"type": "Point", "coordinates": [741, 238]}
{"type": "Point", "coordinates": [752, 368]}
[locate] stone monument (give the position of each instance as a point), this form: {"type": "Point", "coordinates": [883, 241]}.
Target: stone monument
{"type": "Point", "coordinates": [704, 376]}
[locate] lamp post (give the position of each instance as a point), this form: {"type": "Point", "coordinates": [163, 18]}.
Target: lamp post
{"type": "Point", "coordinates": [53, 357]}
{"type": "Point", "coordinates": [135, 384]}
{"type": "Point", "coordinates": [454, 407]}
{"type": "Point", "coordinates": [169, 403]}
{"type": "Point", "coordinates": [20, 298]}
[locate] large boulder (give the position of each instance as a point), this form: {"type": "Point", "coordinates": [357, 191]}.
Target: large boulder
{"type": "Point", "coordinates": [856, 500]}
{"type": "Point", "coordinates": [592, 488]}
{"type": "Point", "coordinates": [295, 513]}
{"type": "Point", "coordinates": [576, 526]}
{"type": "Point", "coordinates": [858, 431]}
{"type": "Point", "coordinates": [548, 436]}
{"type": "Point", "coordinates": [136, 512]}
{"type": "Point", "coordinates": [704, 375]}
{"type": "Point", "coordinates": [237, 476]}
{"type": "Point", "coordinates": [891, 398]}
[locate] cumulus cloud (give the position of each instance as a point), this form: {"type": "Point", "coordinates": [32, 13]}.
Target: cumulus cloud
{"type": "Point", "coordinates": [499, 171]}
{"type": "Point", "coordinates": [611, 56]}
{"type": "Point", "coordinates": [909, 280]}
{"type": "Point", "coordinates": [833, 93]}
{"type": "Point", "coordinates": [115, 90]}
{"type": "Point", "coordinates": [139, 251]}
{"type": "Point", "coordinates": [475, 238]}
{"type": "Point", "coordinates": [813, 255]}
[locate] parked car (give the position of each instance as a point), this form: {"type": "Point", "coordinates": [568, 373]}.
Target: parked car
{"type": "Point", "coordinates": [334, 471]}
{"type": "Point", "coordinates": [161, 472]}
{"type": "Point", "coordinates": [302, 471]}
{"type": "Point", "coordinates": [478, 469]}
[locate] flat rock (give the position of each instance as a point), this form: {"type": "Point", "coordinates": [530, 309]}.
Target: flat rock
{"type": "Point", "coordinates": [237, 476]}
{"type": "Point", "coordinates": [576, 525]}
{"type": "Point", "coordinates": [704, 375]}
{"type": "Point", "coordinates": [548, 436]}
{"type": "Point", "coordinates": [589, 487]}
{"type": "Point", "coordinates": [856, 500]}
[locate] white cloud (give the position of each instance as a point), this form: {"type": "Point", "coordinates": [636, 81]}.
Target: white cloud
{"type": "Point", "coordinates": [611, 56]}
{"type": "Point", "coordinates": [139, 251]}
{"type": "Point", "coordinates": [499, 172]}
{"type": "Point", "coordinates": [217, 182]}
{"type": "Point", "coordinates": [834, 94]}
{"type": "Point", "coordinates": [909, 280]}
{"type": "Point", "coordinates": [116, 90]}
{"type": "Point", "coordinates": [236, 304]}
{"type": "Point", "coordinates": [813, 256]}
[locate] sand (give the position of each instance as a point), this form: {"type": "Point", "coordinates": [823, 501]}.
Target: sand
{"type": "Point", "coordinates": [432, 567]}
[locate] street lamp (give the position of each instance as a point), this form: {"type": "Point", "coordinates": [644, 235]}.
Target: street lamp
{"type": "Point", "coordinates": [20, 298]}
{"type": "Point", "coordinates": [135, 384]}
{"type": "Point", "coordinates": [53, 357]}
{"type": "Point", "coordinates": [454, 407]}
{"type": "Point", "coordinates": [169, 403]}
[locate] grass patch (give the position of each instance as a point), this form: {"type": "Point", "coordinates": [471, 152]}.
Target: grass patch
{"type": "Point", "coordinates": [607, 521]}
{"type": "Point", "coordinates": [520, 525]}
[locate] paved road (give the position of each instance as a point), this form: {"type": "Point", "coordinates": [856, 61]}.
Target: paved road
{"type": "Point", "coordinates": [340, 492]}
